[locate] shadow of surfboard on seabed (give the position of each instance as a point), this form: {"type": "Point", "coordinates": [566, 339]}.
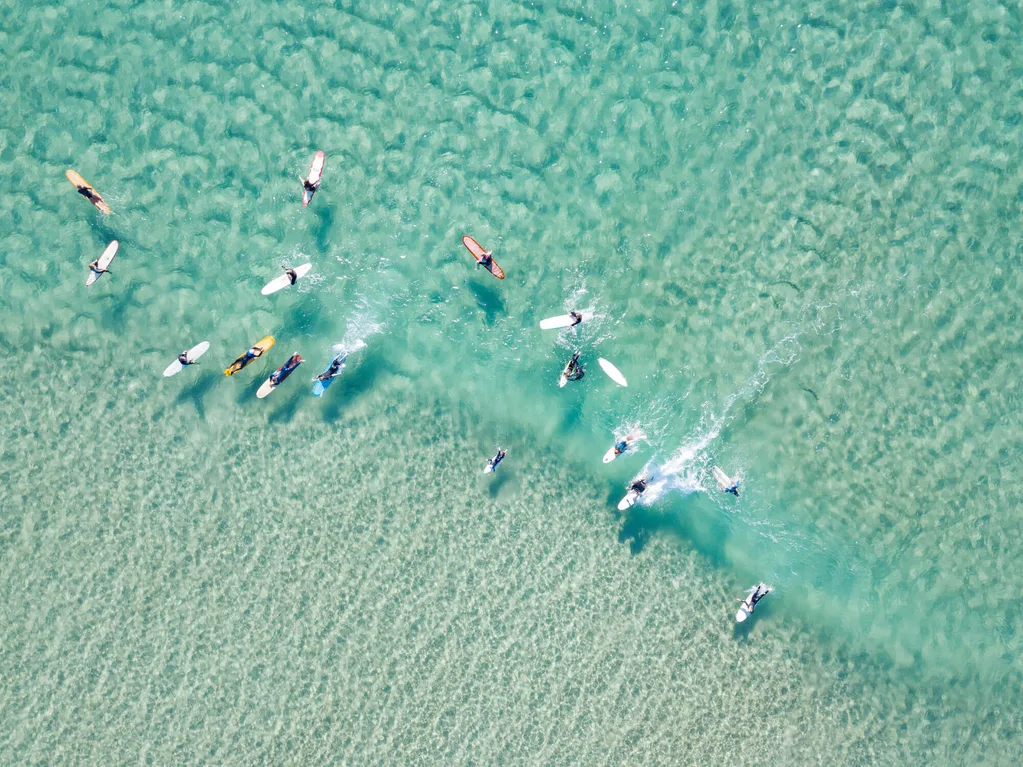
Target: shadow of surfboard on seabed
{"type": "Point", "coordinates": [195, 393]}
{"type": "Point", "coordinates": [286, 412]}
{"type": "Point", "coordinates": [488, 299]}
{"type": "Point", "coordinates": [675, 517]}
{"type": "Point", "coordinates": [354, 382]}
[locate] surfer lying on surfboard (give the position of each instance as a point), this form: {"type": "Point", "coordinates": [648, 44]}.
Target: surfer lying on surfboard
{"type": "Point", "coordinates": [286, 369]}
{"type": "Point", "coordinates": [576, 318]}
{"type": "Point", "coordinates": [336, 366]}
{"type": "Point", "coordinates": [486, 259]}
{"type": "Point", "coordinates": [492, 463]}
{"type": "Point", "coordinates": [747, 605]}
{"type": "Point", "coordinates": [184, 360]}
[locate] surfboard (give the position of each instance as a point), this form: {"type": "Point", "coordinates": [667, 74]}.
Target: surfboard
{"type": "Point", "coordinates": [612, 372]}
{"type": "Point", "coordinates": [628, 501]}
{"type": "Point", "coordinates": [477, 252]}
{"type": "Point", "coordinates": [321, 386]}
{"type": "Point", "coordinates": [283, 282]}
{"type": "Point", "coordinates": [723, 480]}
{"type": "Point", "coordinates": [315, 174]}
{"type": "Point", "coordinates": [85, 189]}
{"type": "Point", "coordinates": [562, 321]}
{"type": "Point", "coordinates": [283, 371]}
{"type": "Point", "coordinates": [104, 262]}
{"type": "Point", "coordinates": [193, 354]}
{"type": "Point", "coordinates": [260, 346]}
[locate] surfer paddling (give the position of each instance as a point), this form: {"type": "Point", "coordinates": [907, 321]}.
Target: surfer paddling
{"type": "Point", "coordinates": [292, 274]}
{"type": "Point", "coordinates": [574, 370]}
{"type": "Point", "coordinates": [576, 318]}
{"type": "Point", "coordinates": [486, 259]}
{"type": "Point", "coordinates": [185, 360]}
{"type": "Point", "coordinates": [334, 369]}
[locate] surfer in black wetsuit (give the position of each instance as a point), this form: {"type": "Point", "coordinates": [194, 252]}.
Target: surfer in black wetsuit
{"type": "Point", "coordinates": [639, 486]}
{"type": "Point", "coordinates": [183, 358]}
{"type": "Point", "coordinates": [292, 274]}
{"type": "Point", "coordinates": [576, 318]}
{"type": "Point", "coordinates": [335, 368]}
{"type": "Point", "coordinates": [573, 370]}
{"type": "Point", "coordinates": [486, 259]}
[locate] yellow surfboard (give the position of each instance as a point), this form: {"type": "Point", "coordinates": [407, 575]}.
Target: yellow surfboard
{"type": "Point", "coordinates": [252, 354]}
{"type": "Point", "coordinates": [85, 189]}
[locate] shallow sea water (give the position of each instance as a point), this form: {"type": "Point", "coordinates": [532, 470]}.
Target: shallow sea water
{"type": "Point", "coordinates": [798, 227]}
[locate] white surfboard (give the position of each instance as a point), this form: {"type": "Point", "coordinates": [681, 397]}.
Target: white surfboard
{"type": "Point", "coordinates": [628, 501]}
{"type": "Point", "coordinates": [283, 282]}
{"type": "Point", "coordinates": [193, 354]}
{"type": "Point", "coordinates": [265, 389]}
{"type": "Point", "coordinates": [723, 480]}
{"type": "Point", "coordinates": [104, 262]}
{"type": "Point", "coordinates": [612, 372]}
{"type": "Point", "coordinates": [562, 321]}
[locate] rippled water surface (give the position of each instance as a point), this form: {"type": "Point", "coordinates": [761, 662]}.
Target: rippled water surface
{"type": "Point", "coordinates": [798, 229]}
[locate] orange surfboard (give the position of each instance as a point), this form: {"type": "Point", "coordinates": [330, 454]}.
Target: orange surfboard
{"type": "Point", "coordinates": [85, 189]}
{"type": "Point", "coordinates": [477, 252]}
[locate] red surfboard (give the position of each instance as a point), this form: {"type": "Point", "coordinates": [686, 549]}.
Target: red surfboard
{"type": "Point", "coordinates": [477, 252]}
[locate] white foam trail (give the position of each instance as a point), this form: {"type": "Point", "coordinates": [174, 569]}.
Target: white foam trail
{"type": "Point", "coordinates": [360, 326]}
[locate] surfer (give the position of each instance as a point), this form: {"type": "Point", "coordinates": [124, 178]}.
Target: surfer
{"type": "Point", "coordinates": [621, 447]}
{"type": "Point", "coordinates": [184, 360]}
{"type": "Point", "coordinates": [573, 370]}
{"type": "Point", "coordinates": [95, 267]}
{"type": "Point", "coordinates": [292, 274]}
{"type": "Point", "coordinates": [747, 605]}
{"type": "Point", "coordinates": [286, 369]}
{"type": "Point", "coordinates": [335, 368]}
{"type": "Point", "coordinates": [88, 194]}
{"type": "Point", "coordinates": [486, 259]}
{"type": "Point", "coordinates": [576, 318]}
{"type": "Point", "coordinates": [734, 489]}
{"type": "Point", "coordinates": [638, 486]}
{"type": "Point", "coordinates": [309, 186]}
{"type": "Point", "coordinates": [492, 463]}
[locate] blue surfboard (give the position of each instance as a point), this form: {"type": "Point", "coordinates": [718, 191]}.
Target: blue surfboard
{"type": "Point", "coordinates": [321, 386]}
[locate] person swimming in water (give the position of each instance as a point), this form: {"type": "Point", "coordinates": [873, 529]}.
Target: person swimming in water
{"type": "Point", "coordinates": [576, 318]}
{"type": "Point", "coordinates": [492, 463]}
{"type": "Point", "coordinates": [336, 366]}
{"type": "Point", "coordinates": [486, 259]}
{"type": "Point", "coordinates": [573, 370]}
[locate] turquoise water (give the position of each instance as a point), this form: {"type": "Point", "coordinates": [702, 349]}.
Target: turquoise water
{"type": "Point", "coordinates": [798, 227]}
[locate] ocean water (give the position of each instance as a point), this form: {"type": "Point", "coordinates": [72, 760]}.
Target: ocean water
{"type": "Point", "coordinates": [798, 228]}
